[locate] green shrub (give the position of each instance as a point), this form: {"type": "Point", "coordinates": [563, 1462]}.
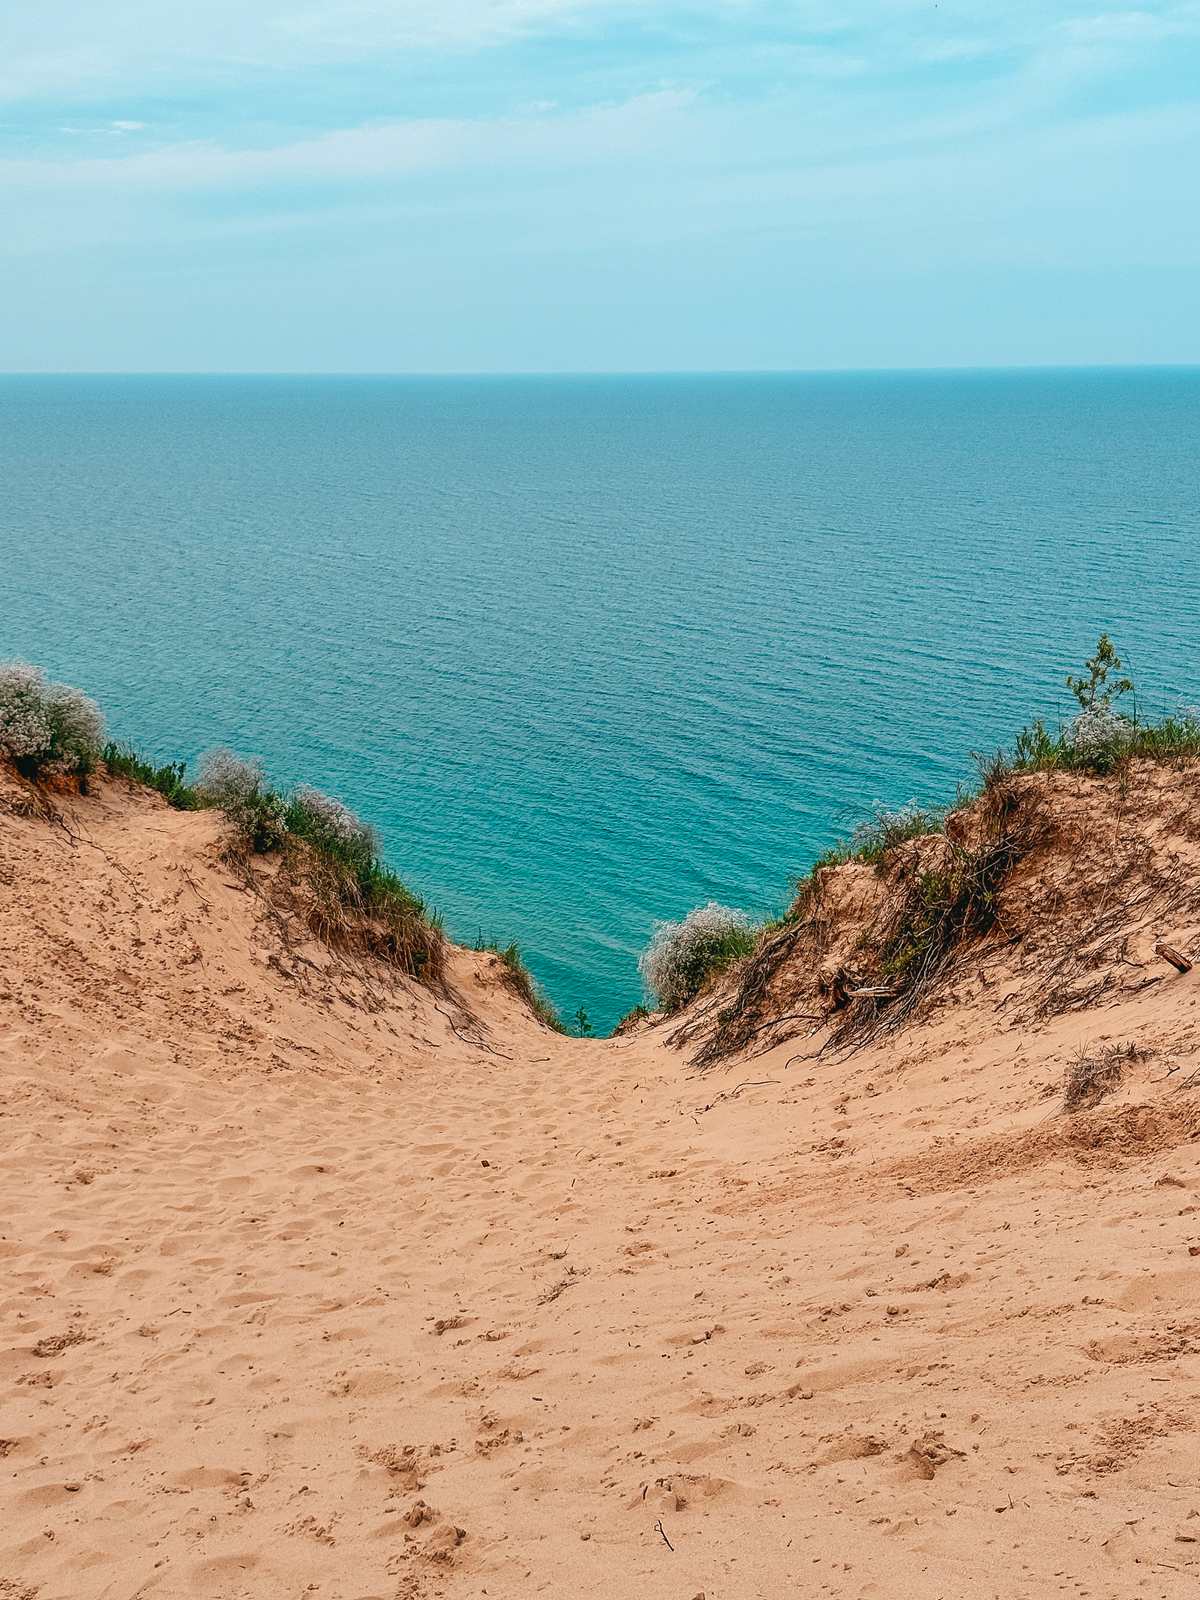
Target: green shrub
{"type": "Point", "coordinates": [237, 787]}
{"type": "Point", "coordinates": [683, 956]}
{"type": "Point", "coordinates": [331, 827]}
{"type": "Point", "coordinates": [170, 779]}
{"type": "Point", "coordinates": [1096, 690]}
{"type": "Point", "coordinates": [47, 727]}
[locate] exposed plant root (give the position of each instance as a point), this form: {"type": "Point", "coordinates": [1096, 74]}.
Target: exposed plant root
{"type": "Point", "coordinates": [935, 909]}
{"type": "Point", "coordinates": [1054, 884]}
{"type": "Point", "coordinates": [923, 903]}
{"type": "Point", "coordinates": [304, 893]}
{"type": "Point", "coordinates": [744, 1019]}
{"type": "Point", "coordinates": [1091, 1077]}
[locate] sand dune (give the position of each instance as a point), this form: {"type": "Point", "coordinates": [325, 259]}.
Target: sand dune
{"type": "Point", "coordinates": [316, 1284]}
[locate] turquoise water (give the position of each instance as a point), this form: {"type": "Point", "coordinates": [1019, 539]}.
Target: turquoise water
{"type": "Point", "coordinates": [591, 651]}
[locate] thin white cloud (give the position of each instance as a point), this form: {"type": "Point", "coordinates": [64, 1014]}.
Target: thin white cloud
{"type": "Point", "coordinates": [376, 151]}
{"type": "Point", "coordinates": [958, 49]}
{"type": "Point", "coordinates": [1134, 27]}
{"type": "Point", "coordinates": [77, 47]}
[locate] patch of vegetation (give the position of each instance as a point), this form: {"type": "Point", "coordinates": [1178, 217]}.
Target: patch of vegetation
{"type": "Point", "coordinates": [631, 1020]}
{"type": "Point", "coordinates": [1101, 738]}
{"type": "Point", "coordinates": [170, 779]}
{"type": "Point", "coordinates": [47, 728]}
{"type": "Point", "coordinates": [237, 787]}
{"type": "Point", "coordinates": [944, 907]}
{"type": "Point", "coordinates": [350, 896]}
{"type": "Point", "coordinates": [874, 840]}
{"type": "Point", "coordinates": [1104, 742]}
{"type": "Point", "coordinates": [366, 907]}
{"type": "Point", "coordinates": [523, 983]}
{"type": "Point", "coordinates": [882, 833]}
{"type": "Point", "coordinates": [683, 957]}
{"type": "Point", "coordinates": [871, 843]}
{"type": "Point", "coordinates": [1091, 1078]}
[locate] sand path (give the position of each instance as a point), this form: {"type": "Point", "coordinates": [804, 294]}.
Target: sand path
{"type": "Point", "coordinates": [300, 1298]}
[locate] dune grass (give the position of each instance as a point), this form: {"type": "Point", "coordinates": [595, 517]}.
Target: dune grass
{"type": "Point", "coordinates": [523, 983]}
{"type": "Point", "coordinates": [351, 897]}
{"type": "Point", "coordinates": [365, 906]}
{"type": "Point", "coordinates": [169, 779]}
{"type": "Point", "coordinates": [1041, 749]}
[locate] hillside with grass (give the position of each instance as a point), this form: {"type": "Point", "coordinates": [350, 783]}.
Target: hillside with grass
{"type": "Point", "coordinates": [862, 1261]}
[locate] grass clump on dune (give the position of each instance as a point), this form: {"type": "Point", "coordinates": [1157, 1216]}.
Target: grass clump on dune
{"type": "Point", "coordinates": [523, 983]}
{"type": "Point", "coordinates": [874, 839]}
{"type": "Point", "coordinates": [351, 897]}
{"type": "Point", "coordinates": [169, 779]}
{"type": "Point", "coordinates": [1093, 1075]}
{"type": "Point", "coordinates": [1101, 742]}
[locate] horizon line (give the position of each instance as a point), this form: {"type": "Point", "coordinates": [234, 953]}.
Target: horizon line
{"type": "Point", "coordinates": [606, 372]}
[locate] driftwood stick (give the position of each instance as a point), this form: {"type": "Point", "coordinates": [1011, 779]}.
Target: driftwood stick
{"type": "Point", "coordinates": [1169, 953]}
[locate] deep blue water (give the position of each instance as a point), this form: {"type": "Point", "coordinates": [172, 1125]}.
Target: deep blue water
{"type": "Point", "coordinates": [592, 651]}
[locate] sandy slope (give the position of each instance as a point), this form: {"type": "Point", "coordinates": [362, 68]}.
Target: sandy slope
{"type": "Point", "coordinates": [309, 1287]}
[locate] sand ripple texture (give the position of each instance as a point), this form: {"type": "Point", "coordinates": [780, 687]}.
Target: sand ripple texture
{"type": "Point", "coordinates": [309, 1288]}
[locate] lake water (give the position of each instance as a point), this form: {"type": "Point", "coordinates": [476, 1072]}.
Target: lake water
{"type": "Point", "coordinates": [592, 651]}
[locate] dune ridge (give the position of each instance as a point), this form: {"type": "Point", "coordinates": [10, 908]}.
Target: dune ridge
{"type": "Point", "coordinates": [318, 1281]}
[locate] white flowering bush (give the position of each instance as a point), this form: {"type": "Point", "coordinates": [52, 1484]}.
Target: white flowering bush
{"type": "Point", "coordinates": [1099, 730]}
{"type": "Point", "coordinates": [24, 725]}
{"type": "Point", "coordinates": [229, 781]}
{"type": "Point", "coordinates": [238, 788]}
{"type": "Point", "coordinates": [331, 826]}
{"type": "Point", "coordinates": [77, 723]}
{"type": "Point", "coordinates": [682, 956]}
{"type": "Point", "coordinates": [47, 727]}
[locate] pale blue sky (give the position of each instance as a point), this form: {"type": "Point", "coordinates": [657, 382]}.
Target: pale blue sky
{"type": "Point", "coordinates": [569, 185]}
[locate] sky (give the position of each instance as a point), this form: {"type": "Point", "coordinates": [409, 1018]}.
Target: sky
{"type": "Point", "coordinates": [597, 185]}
